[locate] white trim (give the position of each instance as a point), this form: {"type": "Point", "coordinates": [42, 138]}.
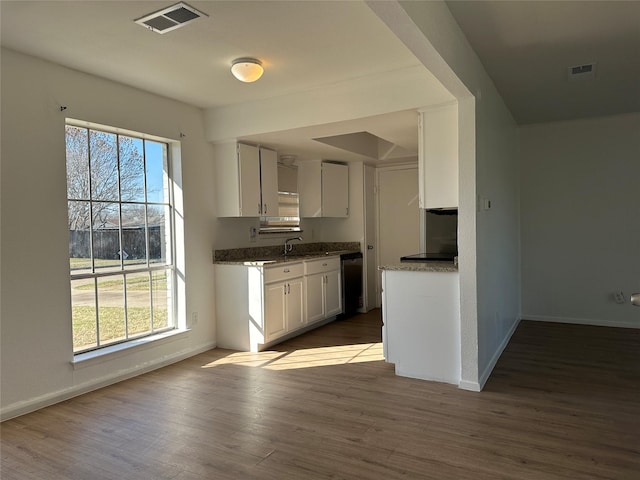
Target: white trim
{"type": "Point", "coordinates": [27, 406]}
{"type": "Point", "coordinates": [74, 122]}
{"type": "Point", "coordinates": [105, 354]}
{"type": "Point", "coordinates": [477, 387]}
{"type": "Point", "coordinates": [470, 386]}
{"type": "Point", "coordinates": [584, 321]}
{"type": "Point", "coordinates": [438, 106]}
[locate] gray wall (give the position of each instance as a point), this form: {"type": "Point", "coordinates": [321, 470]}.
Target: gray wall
{"type": "Point", "coordinates": [580, 218]}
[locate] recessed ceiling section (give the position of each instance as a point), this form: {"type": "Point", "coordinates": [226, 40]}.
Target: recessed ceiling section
{"type": "Point", "coordinates": [365, 144]}
{"type": "Point", "coordinates": [170, 18]}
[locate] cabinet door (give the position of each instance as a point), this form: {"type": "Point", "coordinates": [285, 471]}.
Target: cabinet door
{"type": "Point", "coordinates": [275, 324]}
{"type": "Point", "coordinates": [269, 182]}
{"type": "Point", "coordinates": [249, 168]}
{"type": "Point", "coordinates": [335, 190]}
{"type": "Point", "coordinates": [315, 297]}
{"type": "Point", "coordinates": [438, 157]}
{"type": "Point", "coordinates": [295, 304]}
{"type": "Point", "coordinates": [309, 188]}
{"type": "Point", "coordinates": [332, 293]}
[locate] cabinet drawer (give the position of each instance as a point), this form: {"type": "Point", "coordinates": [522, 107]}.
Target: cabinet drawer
{"type": "Point", "coordinates": [283, 272]}
{"type": "Point", "coordinates": [321, 265]}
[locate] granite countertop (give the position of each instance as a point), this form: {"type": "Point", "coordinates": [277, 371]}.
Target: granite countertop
{"type": "Point", "coordinates": [414, 266]}
{"type": "Point", "coordinates": [270, 260]}
{"type": "Point", "coordinates": [263, 256]}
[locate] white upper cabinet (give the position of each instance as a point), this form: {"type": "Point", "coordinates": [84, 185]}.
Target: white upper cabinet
{"type": "Point", "coordinates": [324, 189]}
{"type": "Point", "coordinates": [269, 182]}
{"type": "Point", "coordinates": [246, 180]}
{"type": "Point", "coordinates": [335, 190]}
{"type": "Point", "coordinates": [310, 188]}
{"type": "Point", "coordinates": [438, 156]}
{"type": "Point", "coordinates": [248, 161]}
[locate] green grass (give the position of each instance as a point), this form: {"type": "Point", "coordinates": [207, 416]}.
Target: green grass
{"type": "Point", "coordinates": [112, 325]}
{"type": "Point", "coordinates": [111, 318]}
{"type": "Point", "coordinates": [134, 283]}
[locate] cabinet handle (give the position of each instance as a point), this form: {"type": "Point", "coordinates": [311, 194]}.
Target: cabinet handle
{"type": "Point", "coordinates": [286, 270]}
{"type": "Point", "coordinates": [265, 208]}
{"type": "Point", "coordinates": [324, 264]}
{"type": "Point", "coordinates": [288, 288]}
{"type": "Point", "coordinates": [259, 209]}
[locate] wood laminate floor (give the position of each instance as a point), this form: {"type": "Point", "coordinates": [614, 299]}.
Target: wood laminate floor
{"type": "Point", "coordinates": [562, 403]}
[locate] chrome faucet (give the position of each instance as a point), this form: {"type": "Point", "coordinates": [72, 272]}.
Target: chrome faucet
{"type": "Point", "coordinates": [287, 246]}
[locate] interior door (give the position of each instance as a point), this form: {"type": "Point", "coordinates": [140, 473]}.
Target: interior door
{"type": "Point", "coordinates": [399, 214]}
{"type": "Point", "coordinates": [371, 296]}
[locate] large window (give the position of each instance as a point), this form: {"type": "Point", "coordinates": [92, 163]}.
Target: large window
{"type": "Point", "coordinates": [120, 237]}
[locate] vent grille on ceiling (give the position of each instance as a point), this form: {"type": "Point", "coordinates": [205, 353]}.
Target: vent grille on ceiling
{"type": "Point", "coordinates": [170, 18]}
{"type": "Point", "coordinates": [582, 72]}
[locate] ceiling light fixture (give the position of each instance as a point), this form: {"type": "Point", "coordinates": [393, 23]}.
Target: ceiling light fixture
{"type": "Point", "coordinates": [247, 69]}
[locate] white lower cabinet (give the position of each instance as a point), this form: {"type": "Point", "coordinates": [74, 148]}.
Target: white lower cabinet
{"type": "Point", "coordinates": [333, 293]}
{"type": "Point", "coordinates": [323, 288]}
{"type": "Point", "coordinates": [421, 324]}
{"type": "Point", "coordinates": [258, 305]}
{"type": "Point", "coordinates": [275, 316]}
{"type": "Point", "coordinates": [315, 297]}
{"type": "Point", "coordinates": [283, 308]}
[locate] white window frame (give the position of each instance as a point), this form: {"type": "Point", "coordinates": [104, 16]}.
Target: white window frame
{"type": "Point", "coordinates": [174, 234]}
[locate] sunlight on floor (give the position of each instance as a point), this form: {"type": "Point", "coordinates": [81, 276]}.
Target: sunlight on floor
{"type": "Point", "coordinates": [304, 358]}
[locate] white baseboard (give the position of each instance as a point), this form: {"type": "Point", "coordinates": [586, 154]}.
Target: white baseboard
{"type": "Point", "coordinates": [583, 321]}
{"type": "Point", "coordinates": [471, 386]}
{"type": "Point", "coordinates": [33, 404]}
{"type": "Point", "coordinates": [479, 385]}
{"type": "Point", "coordinates": [496, 356]}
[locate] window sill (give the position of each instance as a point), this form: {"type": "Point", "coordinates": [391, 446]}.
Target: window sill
{"type": "Point", "coordinates": [105, 354]}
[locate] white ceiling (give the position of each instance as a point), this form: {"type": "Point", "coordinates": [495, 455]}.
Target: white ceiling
{"type": "Point", "coordinates": [303, 45]}
{"type": "Point", "coordinates": [309, 45]}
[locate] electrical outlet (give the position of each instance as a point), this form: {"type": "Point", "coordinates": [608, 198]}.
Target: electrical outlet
{"type": "Point", "coordinates": [619, 297]}
{"type": "Point", "coordinates": [253, 233]}
{"type": "Point", "coordinates": [194, 319]}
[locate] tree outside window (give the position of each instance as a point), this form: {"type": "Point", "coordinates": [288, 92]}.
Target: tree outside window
{"type": "Point", "coordinates": [120, 237]}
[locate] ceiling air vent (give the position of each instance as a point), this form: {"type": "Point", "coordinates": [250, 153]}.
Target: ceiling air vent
{"type": "Point", "coordinates": [170, 18]}
{"type": "Point", "coordinates": [582, 72]}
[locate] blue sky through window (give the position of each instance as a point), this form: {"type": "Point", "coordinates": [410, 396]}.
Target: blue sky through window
{"type": "Point", "coordinates": [155, 154]}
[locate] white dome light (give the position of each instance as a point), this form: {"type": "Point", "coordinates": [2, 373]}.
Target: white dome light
{"type": "Point", "coordinates": [247, 69]}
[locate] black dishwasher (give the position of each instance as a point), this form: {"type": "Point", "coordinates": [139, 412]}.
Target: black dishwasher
{"type": "Point", "coordinates": [351, 264]}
